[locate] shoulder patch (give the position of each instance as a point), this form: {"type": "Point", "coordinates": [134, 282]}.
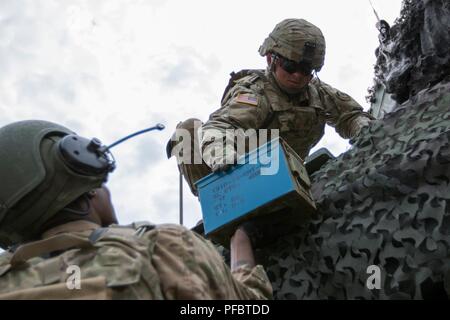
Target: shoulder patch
{"type": "Point", "coordinates": [343, 96]}
{"type": "Point", "coordinates": [247, 98]}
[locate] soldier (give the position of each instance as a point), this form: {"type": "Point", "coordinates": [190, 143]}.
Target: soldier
{"type": "Point", "coordinates": [286, 96]}
{"type": "Point", "coordinates": [59, 225]}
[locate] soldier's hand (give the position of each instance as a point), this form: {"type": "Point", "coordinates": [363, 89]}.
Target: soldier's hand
{"type": "Point", "coordinates": [262, 230]}
{"type": "Point", "coordinates": [241, 250]}
{"type": "Point", "coordinates": [221, 167]}
{"type": "Point", "coordinates": [224, 164]}
{"type": "Point", "coordinates": [252, 231]}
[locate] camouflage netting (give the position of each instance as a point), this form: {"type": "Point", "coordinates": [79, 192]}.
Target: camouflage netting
{"type": "Point", "coordinates": [386, 201]}
{"type": "Point", "coordinates": [416, 53]}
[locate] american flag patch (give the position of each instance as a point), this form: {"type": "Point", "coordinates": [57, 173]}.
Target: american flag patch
{"type": "Point", "coordinates": [247, 98]}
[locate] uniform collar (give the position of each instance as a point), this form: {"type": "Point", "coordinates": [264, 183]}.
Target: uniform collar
{"type": "Point", "coordinates": [74, 226]}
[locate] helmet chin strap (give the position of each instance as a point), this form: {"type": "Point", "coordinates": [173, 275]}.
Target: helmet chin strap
{"type": "Point", "coordinates": [80, 212]}
{"type": "Point", "coordinates": [317, 76]}
{"type": "Point", "coordinates": [273, 61]}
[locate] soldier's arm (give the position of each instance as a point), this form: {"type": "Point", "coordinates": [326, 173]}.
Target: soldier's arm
{"type": "Point", "coordinates": [252, 279]}
{"type": "Point", "coordinates": [241, 250]}
{"type": "Point", "coordinates": [187, 266]}
{"type": "Point", "coordinates": [342, 111]}
{"type": "Point", "coordinates": [243, 108]}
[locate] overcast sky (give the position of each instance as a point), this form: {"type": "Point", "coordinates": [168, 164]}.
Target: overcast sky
{"type": "Point", "coordinates": [106, 68]}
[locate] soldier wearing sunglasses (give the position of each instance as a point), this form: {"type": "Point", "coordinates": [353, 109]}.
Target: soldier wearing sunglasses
{"type": "Point", "coordinates": [287, 96]}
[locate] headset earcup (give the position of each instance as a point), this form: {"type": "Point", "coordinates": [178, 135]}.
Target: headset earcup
{"type": "Point", "coordinates": [84, 156]}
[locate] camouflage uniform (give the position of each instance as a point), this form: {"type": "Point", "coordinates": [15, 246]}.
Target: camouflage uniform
{"type": "Point", "coordinates": [140, 261]}
{"type": "Point", "coordinates": [44, 169]}
{"type": "Point", "coordinates": [254, 100]}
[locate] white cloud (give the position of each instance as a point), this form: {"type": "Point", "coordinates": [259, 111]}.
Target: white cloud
{"type": "Point", "coordinates": [107, 68]}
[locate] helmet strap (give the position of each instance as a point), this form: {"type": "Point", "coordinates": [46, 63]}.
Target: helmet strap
{"type": "Point", "coordinates": [317, 76]}
{"type": "Point", "coordinates": [80, 212]}
{"type": "Point", "coordinates": [67, 214]}
{"type": "Point", "coordinates": [273, 62]}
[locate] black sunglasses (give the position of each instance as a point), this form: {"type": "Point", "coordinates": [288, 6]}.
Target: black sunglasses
{"type": "Point", "coordinates": [291, 66]}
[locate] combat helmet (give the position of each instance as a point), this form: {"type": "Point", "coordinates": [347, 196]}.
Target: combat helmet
{"type": "Point", "coordinates": [297, 40]}
{"type": "Point", "coordinates": [43, 168]}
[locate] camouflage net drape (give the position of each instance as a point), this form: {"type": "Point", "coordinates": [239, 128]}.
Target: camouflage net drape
{"type": "Point", "coordinates": [386, 201]}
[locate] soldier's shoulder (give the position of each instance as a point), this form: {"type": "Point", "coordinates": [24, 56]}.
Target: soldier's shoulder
{"type": "Point", "coordinates": [330, 90]}
{"type": "Point", "coordinates": [172, 226]}
{"type": "Point", "coordinates": [319, 84]}
{"type": "Point", "coordinates": [253, 82]}
{"type": "Point", "coordinates": [247, 76]}
{"type": "Point", "coordinates": [137, 225]}
{"type": "Point", "coordinates": [244, 81]}
{"type": "Point", "coordinates": [116, 232]}
{"type": "Point", "coordinates": [169, 229]}
{"type": "Point", "coordinates": [141, 227]}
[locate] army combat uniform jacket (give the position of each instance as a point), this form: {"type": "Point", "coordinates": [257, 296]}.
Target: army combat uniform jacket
{"type": "Point", "coordinates": [134, 262]}
{"type": "Point", "coordinates": [253, 100]}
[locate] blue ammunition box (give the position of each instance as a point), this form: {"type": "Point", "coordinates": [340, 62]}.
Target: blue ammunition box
{"type": "Point", "coordinates": [272, 181]}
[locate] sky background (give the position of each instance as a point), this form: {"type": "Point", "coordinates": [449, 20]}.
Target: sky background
{"type": "Point", "coordinates": [107, 68]}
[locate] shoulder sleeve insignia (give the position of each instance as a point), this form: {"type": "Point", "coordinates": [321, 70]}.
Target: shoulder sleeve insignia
{"type": "Point", "coordinates": [343, 96]}
{"type": "Point", "coordinates": [247, 98]}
